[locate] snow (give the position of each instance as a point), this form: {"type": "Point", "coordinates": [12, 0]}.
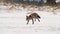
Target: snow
{"type": "Point", "coordinates": [14, 22]}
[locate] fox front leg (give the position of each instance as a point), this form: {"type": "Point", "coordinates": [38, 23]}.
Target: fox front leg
{"type": "Point", "coordinates": [27, 21]}
{"type": "Point", "coordinates": [38, 20]}
{"type": "Point", "coordinates": [32, 21]}
{"type": "Point", "coordinates": [35, 19]}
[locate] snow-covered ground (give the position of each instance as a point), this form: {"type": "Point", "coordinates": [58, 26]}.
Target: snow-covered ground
{"type": "Point", "coordinates": [14, 22]}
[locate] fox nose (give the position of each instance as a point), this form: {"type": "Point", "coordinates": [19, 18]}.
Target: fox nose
{"type": "Point", "coordinates": [40, 17]}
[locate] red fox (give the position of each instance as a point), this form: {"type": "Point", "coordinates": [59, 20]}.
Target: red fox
{"type": "Point", "coordinates": [32, 16]}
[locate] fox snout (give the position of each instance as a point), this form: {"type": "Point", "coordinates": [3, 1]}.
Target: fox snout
{"type": "Point", "coordinates": [38, 16]}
